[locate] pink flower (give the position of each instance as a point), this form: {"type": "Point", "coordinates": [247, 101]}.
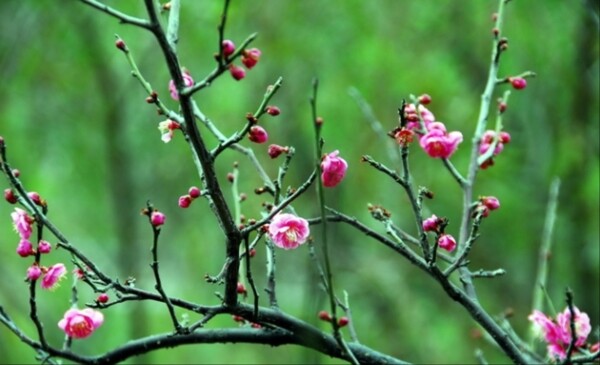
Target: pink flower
{"type": "Point", "coordinates": [250, 57]}
{"type": "Point", "coordinates": [557, 334]}
{"type": "Point", "coordinates": [333, 169]}
{"type": "Point", "coordinates": [582, 326]}
{"type": "Point", "coordinates": [80, 323]}
{"type": "Point", "coordinates": [187, 81]}
{"type": "Point", "coordinates": [33, 272]}
{"type": "Point", "coordinates": [447, 242]}
{"type": "Point", "coordinates": [438, 143]}
{"type": "Point", "coordinates": [53, 275]}
{"type": "Point", "coordinates": [44, 246]}
{"type": "Point", "coordinates": [157, 218]}
{"type": "Point", "coordinates": [22, 222]}
{"type": "Point", "coordinates": [166, 129]}
{"type": "Point", "coordinates": [288, 231]}
{"type": "Point", "coordinates": [25, 248]}
{"type": "Point", "coordinates": [258, 134]}
{"type": "Point", "coordinates": [431, 223]}
{"type": "Point", "coordinates": [228, 47]}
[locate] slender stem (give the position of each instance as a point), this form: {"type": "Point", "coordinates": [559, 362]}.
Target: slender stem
{"type": "Point", "coordinates": [124, 18]}
{"type": "Point", "coordinates": [173, 24]}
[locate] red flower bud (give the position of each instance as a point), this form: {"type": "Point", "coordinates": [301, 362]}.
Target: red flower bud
{"type": "Point", "coordinates": [10, 196]}
{"type": "Point", "coordinates": [324, 316]}
{"type": "Point", "coordinates": [343, 321]}
{"type": "Point", "coordinates": [518, 83]}
{"type": "Point", "coordinates": [102, 298]}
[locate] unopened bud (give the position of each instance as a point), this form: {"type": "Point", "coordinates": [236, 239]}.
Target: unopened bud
{"type": "Point", "coordinates": [325, 316]}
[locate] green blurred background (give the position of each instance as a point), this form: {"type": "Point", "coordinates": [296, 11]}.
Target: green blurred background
{"type": "Point", "coordinates": [78, 128]}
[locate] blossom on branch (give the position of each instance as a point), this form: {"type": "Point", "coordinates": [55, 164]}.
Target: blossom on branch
{"type": "Point", "coordinates": [80, 323]}
{"type": "Point", "coordinates": [288, 231]}
{"type": "Point", "coordinates": [22, 223]}
{"type": "Point", "coordinates": [166, 129]}
{"type": "Point", "coordinates": [187, 81]}
{"type": "Point", "coordinates": [52, 276]}
{"type": "Point", "coordinates": [557, 333]}
{"type": "Point", "coordinates": [333, 169]}
{"type": "Point", "coordinates": [438, 143]}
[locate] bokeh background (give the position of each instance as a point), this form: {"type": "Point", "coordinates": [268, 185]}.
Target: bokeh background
{"type": "Point", "coordinates": [76, 125]}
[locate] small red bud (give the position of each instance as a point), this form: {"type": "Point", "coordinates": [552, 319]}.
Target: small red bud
{"type": "Point", "coordinates": [504, 137]}
{"type": "Point", "coordinates": [343, 321]}
{"type": "Point", "coordinates": [194, 192]}
{"type": "Point", "coordinates": [10, 196]}
{"type": "Point", "coordinates": [102, 298]}
{"type": "Point", "coordinates": [275, 150]}
{"type": "Point", "coordinates": [258, 134]}
{"type": "Point", "coordinates": [241, 289]}
{"type": "Point", "coordinates": [238, 319]}
{"type": "Point", "coordinates": [324, 316]}
{"type": "Point", "coordinates": [273, 110]}
{"type": "Point", "coordinates": [501, 107]}
{"type": "Point", "coordinates": [425, 99]}
{"type": "Point", "coordinates": [252, 252]}
{"type": "Point", "coordinates": [121, 45]}
{"type": "Point", "coordinates": [518, 83]}
{"type": "Point", "coordinates": [16, 172]}
{"type": "Point", "coordinates": [35, 198]}
{"type": "Point", "coordinates": [237, 72]}
{"type": "Point", "coordinates": [230, 177]}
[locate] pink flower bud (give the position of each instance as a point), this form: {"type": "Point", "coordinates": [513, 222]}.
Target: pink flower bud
{"type": "Point", "coordinates": [275, 150]}
{"type": "Point", "coordinates": [237, 72]}
{"type": "Point", "coordinates": [273, 110]}
{"type": "Point", "coordinates": [44, 246]}
{"type": "Point", "coordinates": [241, 289]}
{"type": "Point", "coordinates": [333, 169]}
{"type": "Point", "coordinates": [518, 83]}
{"type": "Point", "coordinates": [157, 218]}
{"type": "Point", "coordinates": [185, 201]}
{"type": "Point", "coordinates": [250, 57]}
{"type": "Point", "coordinates": [502, 107]}
{"type": "Point", "coordinates": [504, 137]}
{"type": "Point", "coordinates": [33, 272]}
{"type": "Point", "coordinates": [431, 223]}
{"type": "Point", "coordinates": [447, 242]}
{"type": "Point", "coordinates": [102, 298]}
{"type": "Point", "coordinates": [258, 134]}
{"type": "Point", "coordinates": [187, 82]}
{"type": "Point", "coordinates": [25, 248]}
{"type": "Point", "coordinates": [228, 47]}
{"type": "Point", "coordinates": [10, 196]}
{"type": "Point", "coordinates": [491, 202]}
{"type": "Point", "coordinates": [35, 197]}
{"type": "Point", "coordinates": [16, 172]}
{"type": "Point", "coordinates": [81, 323]}
{"type": "Point", "coordinates": [53, 275]}
{"type": "Point", "coordinates": [194, 192]}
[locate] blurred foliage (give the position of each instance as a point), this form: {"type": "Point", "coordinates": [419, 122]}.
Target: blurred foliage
{"type": "Point", "coordinates": [76, 125]}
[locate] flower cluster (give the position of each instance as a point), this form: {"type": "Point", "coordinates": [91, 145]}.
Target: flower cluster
{"type": "Point", "coordinates": [435, 140]}
{"type": "Point", "coordinates": [249, 59]}
{"type": "Point", "coordinates": [557, 332]}
{"type": "Point", "coordinates": [437, 225]}
{"type": "Point", "coordinates": [186, 200]}
{"type": "Point", "coordinates": [489, 140]}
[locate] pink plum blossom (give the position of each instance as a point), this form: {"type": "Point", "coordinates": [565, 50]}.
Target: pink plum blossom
{"type": "Point", "coordinates": [447, 242]}
{"type": "Point", "coordinates": [288, 231]}
{"type": "Point", "coordinates": [410, 113]}
{"type": "Point", "coordinates": [187, 81]}
{"type": "Point", "coordinates": [557, 333]}
{"type": "Point", "coordinates": [438, 143]}
{"type": "Point", "coordinates": [53, 275]}
{"type": "Point", "coordinates": [80, 323]}
{"type": "Point", "coordinates": [333, 169]}
{"type": "Point", "coordinates": [22, 222]}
